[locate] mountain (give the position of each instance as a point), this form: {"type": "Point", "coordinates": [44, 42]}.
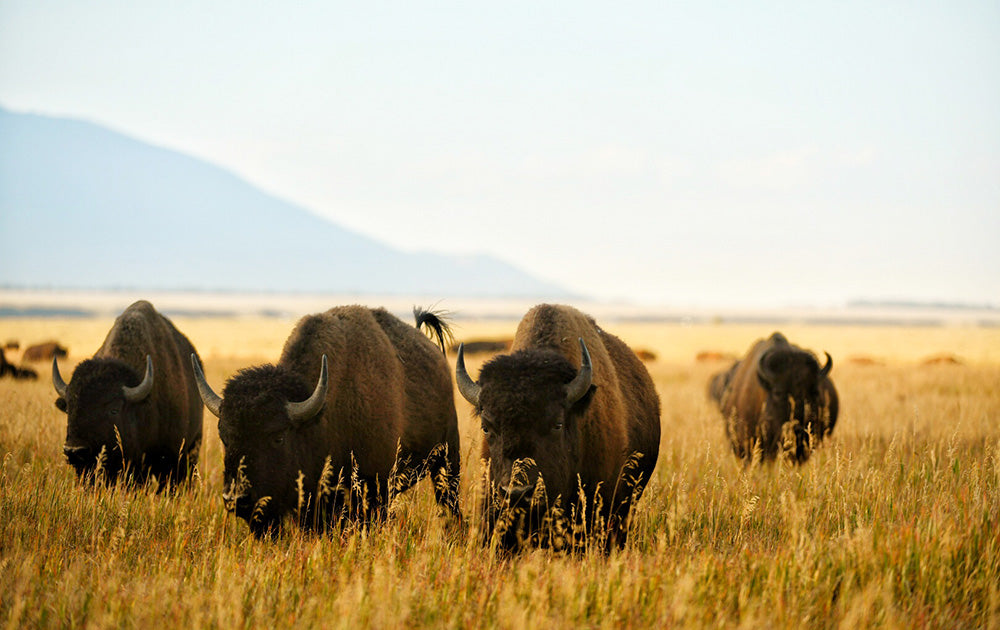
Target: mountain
{"type": "Point", "coordinates": [82, 206]}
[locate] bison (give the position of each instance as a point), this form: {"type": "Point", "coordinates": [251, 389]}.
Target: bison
{"type": "Point", "coordinates": [14, 371]}
{"type": "Point", "coordinates": [358, 408]}
{"type": "Point", "coordinates": [484, 346]}
{"type": "Point", "coordinates": [43, 351]}
{"type": "Point", "coordinates": [569, 449]}
{"type": "Point", "coordinates": [777, 399]}
{"type": "Point", "coordinates": [134, 407]}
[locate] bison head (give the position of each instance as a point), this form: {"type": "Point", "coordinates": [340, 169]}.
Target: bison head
{"type": "Point", "coordinates": [792, 377]}
{"type": "Point", "coordinates": [530, 403]}
{"type": "Point", "coordinates": [103, 401]}
{"type": "Point", "coordinates": [267, 423]}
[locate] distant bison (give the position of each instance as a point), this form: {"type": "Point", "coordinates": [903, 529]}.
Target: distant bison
{"type": "Point", "coordinates": [134, 406]}
{"type": "Point", "coordinates": [43, 351]}
{"type": "Point", "coordinates": [864, 360]}
{"type": "Point", "coordinates": [567, 447]}
{"type": "Point", "coordinates": [483, 346]}
{"type": "Point", "coordinates": [644, 355]}
{"type": "Point", "coordinates": [776, 399]}
{"type": "Point", "coordinates": [942, 359]}
{"type": "Point", "coordinates": [380, 416]}
{"type": "Point", "coordinates": [712, 355]}
{"type": "Point", "coordinates": [13, 371]}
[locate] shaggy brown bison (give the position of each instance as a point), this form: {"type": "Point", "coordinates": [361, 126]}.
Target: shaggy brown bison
{"type": "Point", "coordinates": [380, 416]}
{"type": "Point", "coordinates": [134, 406]}
{"type": "Point", "coordinates": [43, 351]}
{"type": "Point", "coordinates": [777, 399]}
{"type": "Point", "coordinates": [570, 449]}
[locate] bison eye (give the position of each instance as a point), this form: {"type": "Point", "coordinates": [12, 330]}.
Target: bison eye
{"type": "Point", "coordinates": [279, 439]}
{"type": "Point", "coordinates": [558, 426]}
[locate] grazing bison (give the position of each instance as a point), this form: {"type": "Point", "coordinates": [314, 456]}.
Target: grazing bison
{"type": "Point", "coordinates": [134, 406]}
{"type": "Point", "coordinates": [43, 351]}
{"type": "Point", "coordinates": [776, 399]}
{"type": "Point", "coordinates": [14, 371]}
{"type": "Point", "coordinates": [380, 415]}
{"type": "Point", "coordinates": [570, 449]}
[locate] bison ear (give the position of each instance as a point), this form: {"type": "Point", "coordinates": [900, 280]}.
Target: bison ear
{"type": "Point", "coordinates": [580, 406]}
{"type": "Point", "coordinates": [61, 404]}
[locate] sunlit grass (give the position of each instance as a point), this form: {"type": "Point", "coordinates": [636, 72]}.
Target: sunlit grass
{"type": "Point", "coordinates": [894, 522]}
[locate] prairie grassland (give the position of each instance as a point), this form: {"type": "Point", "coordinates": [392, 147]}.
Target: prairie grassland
{"type": "Point", "coordinates": [894, 522]}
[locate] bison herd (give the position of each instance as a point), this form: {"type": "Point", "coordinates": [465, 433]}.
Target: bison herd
{"type": "Point", "coordinates": [360, 407]}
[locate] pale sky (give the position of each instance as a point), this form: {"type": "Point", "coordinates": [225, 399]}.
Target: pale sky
{"type": "Point", "coordinates": [751, 154]}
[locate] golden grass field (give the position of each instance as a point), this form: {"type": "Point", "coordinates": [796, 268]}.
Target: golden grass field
{"type": "Point", "coordinates": [894, 522]}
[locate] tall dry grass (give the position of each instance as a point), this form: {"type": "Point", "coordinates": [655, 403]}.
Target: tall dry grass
{"type": "Point", "coordinates": [895, 522]}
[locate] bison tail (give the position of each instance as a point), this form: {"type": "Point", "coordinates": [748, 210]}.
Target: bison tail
{"type": "Point", "coordinates": [437, 323]}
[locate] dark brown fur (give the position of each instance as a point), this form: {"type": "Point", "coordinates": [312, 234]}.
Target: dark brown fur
{"type": "Point", "coordinates": [161, 435]}
{"type": "Point", "coordinates": [389, 419]}
{"type": "Point", "coordinates": [606, 444]}
{"type": "Point", "coordinates": [14, 371]}
{"type": "Point", "coordinates": [789, 416]}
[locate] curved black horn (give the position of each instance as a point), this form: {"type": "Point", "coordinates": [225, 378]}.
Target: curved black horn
{"type": "Point", "coordinates": [140, 391]}
{"type": "Point", "coordinates": [469, 388]}
{"type": "Point", "coordinates": [826, 368]}
{"type": "Point", "coordinates": [581, 382]}
{"type": "Point", "coordinates": [57, 381]}
{"type": "Point", "coordinates": [212, 400]}
{"type": "Point", "coordinates": [305, 410]}
{"type": "Point", "coordinates": [764, 374]}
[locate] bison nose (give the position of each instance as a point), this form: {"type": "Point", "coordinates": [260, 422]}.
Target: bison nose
{"type": "Point", "coordinates": [77, 454]}
{"type": "Point", "coordinates": [239, 503]}
{"type": "Point", "coordinates": [516, 494]}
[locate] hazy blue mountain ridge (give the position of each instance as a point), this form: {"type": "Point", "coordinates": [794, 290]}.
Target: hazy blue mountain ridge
{"type": "Point", "coordinates": [85, 207]}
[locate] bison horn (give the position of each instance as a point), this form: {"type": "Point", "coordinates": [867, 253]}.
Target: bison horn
{"type": "Point", "coordinates": [826, 368]}
{"type": "Point", "coordinates": [212, 400]}
{"type": "Point", "coordinates": [469, 388]}
{"type": "Point", "coordinates": [764, 374]}
{"type": "Point", "coordinates": [305, 410]}
{"type": "Point", "coordinates": [57, 381]}
{"type": "Point", "coordinates": [140, 391]}
{"type": "Point", "coordinates": [581, 382]}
